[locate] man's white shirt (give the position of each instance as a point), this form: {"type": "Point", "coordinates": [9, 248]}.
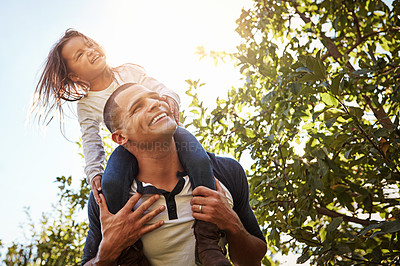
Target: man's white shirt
{"type": "Point", "coordinates": [174, 242]}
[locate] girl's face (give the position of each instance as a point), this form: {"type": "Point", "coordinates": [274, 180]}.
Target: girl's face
{"type": "Point", "coordinates": [85, 61]}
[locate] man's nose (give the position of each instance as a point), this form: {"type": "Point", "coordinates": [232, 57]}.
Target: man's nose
{"type": "Point", "coordinates": [154, 104]}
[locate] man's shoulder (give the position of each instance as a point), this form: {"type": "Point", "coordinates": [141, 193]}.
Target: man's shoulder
{"type": "Point", "coordinates": [224, 164]}
{"type": "Point", "coordinates": [229, 172]}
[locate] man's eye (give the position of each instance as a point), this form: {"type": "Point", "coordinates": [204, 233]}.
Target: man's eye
{"type": "Point", "coordinates": [136, 109]}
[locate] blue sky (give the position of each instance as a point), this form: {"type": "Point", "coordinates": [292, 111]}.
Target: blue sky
{"type": "Point", "coordinates": [159, 35]}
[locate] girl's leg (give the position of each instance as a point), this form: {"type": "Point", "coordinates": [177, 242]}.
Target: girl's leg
{"type": "Point", "coordinates": [117, 179]}
{"type": "Point", "coordinates": [194, 159]}
{"type": "Point", "coordinates": [198, 166]}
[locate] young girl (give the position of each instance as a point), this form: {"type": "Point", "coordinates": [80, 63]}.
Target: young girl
{"type": "Point", "coordinates": [76, 70]}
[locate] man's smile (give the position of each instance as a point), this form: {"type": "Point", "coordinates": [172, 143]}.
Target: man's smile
{"type": "Point", "coordinates": [158, 117]}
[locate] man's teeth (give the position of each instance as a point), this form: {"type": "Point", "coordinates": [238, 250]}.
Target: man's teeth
{"type": "Point", "coordinates": [158, 118]}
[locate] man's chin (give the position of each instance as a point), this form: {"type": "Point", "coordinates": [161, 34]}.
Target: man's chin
{"type": "Point", "coordinates": [168, 128]}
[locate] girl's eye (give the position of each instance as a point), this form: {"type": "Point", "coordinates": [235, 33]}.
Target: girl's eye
{"type": "Point", "coordinates": [79, 55]}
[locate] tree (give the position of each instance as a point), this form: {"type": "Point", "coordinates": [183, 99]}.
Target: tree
{"type": "Point", "coordinates": [321, 75]}
{"type": "Point", "coordinates": [60, 238]}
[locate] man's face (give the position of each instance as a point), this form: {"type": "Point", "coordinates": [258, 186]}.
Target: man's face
{"type": "Point", "coordinates": [145, 118]}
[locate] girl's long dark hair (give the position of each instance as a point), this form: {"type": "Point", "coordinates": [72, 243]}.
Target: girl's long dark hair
{"type": "Point", "coordinates": [55, 87]}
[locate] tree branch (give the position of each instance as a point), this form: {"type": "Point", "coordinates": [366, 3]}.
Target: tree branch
{"type": "Point", "coordinates": [360, 260]}
{"type": "Point", "coordinates": [333, 214]}
{"type": "Point", "coordinates": [379, 113]}
{"type": "Point", "coordinates": [365, 133]}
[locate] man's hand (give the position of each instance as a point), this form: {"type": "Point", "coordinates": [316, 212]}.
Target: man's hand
{"type": "Point", "coordinates": [125, 227]}
{"type": "Point", "coordinates": [244, 248]}
{"type": "Point", "coordinates": [96, 187]}
{"type": "Point", "coordinates": [214, 207]}
{"type": "Point", "coordinates": [173, 105]}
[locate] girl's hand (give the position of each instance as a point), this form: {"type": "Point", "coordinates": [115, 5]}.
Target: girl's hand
{"type": "Point", "coordinates": [96, 187]}
{"type": "Point", "coordinates": [173, 105]}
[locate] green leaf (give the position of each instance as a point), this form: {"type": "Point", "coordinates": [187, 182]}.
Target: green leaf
{"type": "Point", "coordinates": [319, 67]}
{"type": "Point", "coordinates": [329, 99]}
{"type": "Point", "coordinates": [308, 126]}
{"type": "Point", "coordinates": [391, 226]}
{"type": "Point", "coordinates": [361, 71]}
{"type": "Point", "coordinates": [270, 138]}
{"type": "Point", "coordinates": [308, 90]}
{"type": "Point", "coordinates": [304, 70]}
{"type": "Point", "coordinates": [250, 133]}
{"type": "Point", "coordinates": [316, 114]}
{"type": "Point", "coordinates": [330, 122]}
{"type": "Point", "coordinates": [343, 248]}
{"type": "Point", "coordinates": [308, 78]}
{"type": "Point", "coordinates": [368, 228]}
{"type": "Point", "coordinates": [334, 224]}
{"type": "Point", "coordinates": [304, 257]}
{"type": "Point", "coordinates": [348, 153]}
{"type": "Point", "coordinates": [356, 111]}
{"type": "Point", "coordinates": [335, 86]}
{"type": "Point", "coordinates": [381, 132]}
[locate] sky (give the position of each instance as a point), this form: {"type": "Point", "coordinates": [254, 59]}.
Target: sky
{"type": "Point", "coordinates": [159, 35]}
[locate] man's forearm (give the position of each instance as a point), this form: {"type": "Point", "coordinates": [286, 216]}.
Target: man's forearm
{"type": "Point", "coordinates": [244, 248]}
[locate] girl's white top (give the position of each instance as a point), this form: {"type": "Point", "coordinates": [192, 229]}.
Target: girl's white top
{"type": "Point", "coordinates": [90, 113]}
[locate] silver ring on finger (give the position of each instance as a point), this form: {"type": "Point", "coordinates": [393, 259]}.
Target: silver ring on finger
{"type": "Point", "coordinates": [200, 209]}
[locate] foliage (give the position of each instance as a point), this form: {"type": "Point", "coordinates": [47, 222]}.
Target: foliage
{"type": "Point", "coordinates": [319, 115]}
{"type": "Point", "coordinates": [61, 236]}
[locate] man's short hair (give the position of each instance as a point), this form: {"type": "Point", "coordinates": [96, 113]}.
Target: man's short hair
{"type": "Point", "coordinates": [112, 111]}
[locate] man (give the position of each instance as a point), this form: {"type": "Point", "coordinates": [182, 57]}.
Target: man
{"type": "Point", "coordinates": [142, 122]}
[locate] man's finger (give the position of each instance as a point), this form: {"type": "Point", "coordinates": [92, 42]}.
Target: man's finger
{"type": "Point", "coordinates": [198, 201]}
{"type": "Point", "coordinates": [152, 227]}
{"type": "Point", "coordinates": [103, 206]}
{"type": "Point", "coordinates": [131, 203]}
{"type": "Point", "coordinates": [202, 191]}
{"type": "Point", "coordinates": [145, 205]}
{"type": "Point", "coordinates": [149, 216]}
{"type": "Point", "coordinates": [218, 186]}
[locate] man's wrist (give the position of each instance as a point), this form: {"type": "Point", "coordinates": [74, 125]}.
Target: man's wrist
{"type": "Point", "coordinates": [107, 255]}
{"type": "Point", "coordinates": [235, 227]}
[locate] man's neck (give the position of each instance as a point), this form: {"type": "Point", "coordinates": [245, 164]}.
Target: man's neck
{"type": "Point", "coordinates": [159, 166]}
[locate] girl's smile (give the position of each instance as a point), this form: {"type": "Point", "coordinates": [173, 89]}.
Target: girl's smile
{"type": "Point", "coordinates": [85, 61]}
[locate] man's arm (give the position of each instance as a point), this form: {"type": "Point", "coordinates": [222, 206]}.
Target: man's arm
{"type": "Point", "coordinates": [244, 248]}
{"type": "Point", "coordinates": [124, 228]}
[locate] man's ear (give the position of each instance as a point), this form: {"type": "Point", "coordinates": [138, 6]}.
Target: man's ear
{"type": "Point", "coordinates": [74, 77]}
{"type": "Point", "coordinates": [118, 138]}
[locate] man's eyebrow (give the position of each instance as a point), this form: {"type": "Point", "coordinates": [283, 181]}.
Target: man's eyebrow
{"type": "Point", "coordinates": [138, 100]}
